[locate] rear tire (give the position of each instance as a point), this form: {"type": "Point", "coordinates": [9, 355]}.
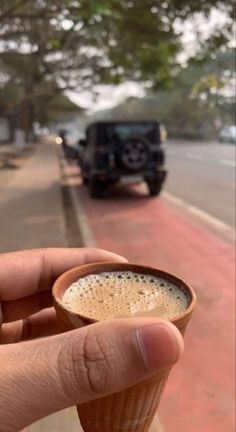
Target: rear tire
{"type": "Point", "coordinates": [96, 188]}
{"type": "Point", "coordinates": [85, 180]}
{"type": "Point", "coordinates": [154, 187]}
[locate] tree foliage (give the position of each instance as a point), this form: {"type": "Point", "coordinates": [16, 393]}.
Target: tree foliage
{"type": "Point", "coordinates": [51, 46]}
{"type": "Point", "coordinates": [200, 99]}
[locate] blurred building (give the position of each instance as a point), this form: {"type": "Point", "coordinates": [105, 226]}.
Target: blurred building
{"type": "Point", "coordinates": [7, 125]}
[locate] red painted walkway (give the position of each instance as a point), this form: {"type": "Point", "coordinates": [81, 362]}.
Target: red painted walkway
{"type": "Point", "coordinates": [200, 393]}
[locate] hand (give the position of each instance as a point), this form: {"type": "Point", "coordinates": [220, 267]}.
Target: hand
{"type": "Point", "coordinates": [42, 371]}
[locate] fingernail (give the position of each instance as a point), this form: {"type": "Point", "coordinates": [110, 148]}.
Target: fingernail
{"type": "Point", "coordinates": [160, 345]}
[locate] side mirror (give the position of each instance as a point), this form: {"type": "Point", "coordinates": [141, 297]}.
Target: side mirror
{"type": "Point", "coordinates": [83, 142]}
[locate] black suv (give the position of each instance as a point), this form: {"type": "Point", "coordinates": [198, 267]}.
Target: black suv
{"type": "Point", "coordinates": [122, 151]}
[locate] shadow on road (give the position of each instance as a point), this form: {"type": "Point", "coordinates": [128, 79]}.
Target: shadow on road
{"type": "Point", "coordinates": [125, 192]}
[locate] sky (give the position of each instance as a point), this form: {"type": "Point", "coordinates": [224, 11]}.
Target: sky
{"type": "Point", "coordinates": [109, 96]}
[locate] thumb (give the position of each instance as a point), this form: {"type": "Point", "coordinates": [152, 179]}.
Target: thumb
{"type": "Point", "coordinates": [50, 374]}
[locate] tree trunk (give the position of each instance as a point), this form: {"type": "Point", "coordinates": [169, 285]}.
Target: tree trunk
{"type": "Point", "coordinates": [24, 124]}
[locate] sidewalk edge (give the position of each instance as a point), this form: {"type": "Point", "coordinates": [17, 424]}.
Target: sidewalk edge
{"type": "Point", "coordinates": [86, 233]}
{"type": "Point", "coordinates": [80, 216]}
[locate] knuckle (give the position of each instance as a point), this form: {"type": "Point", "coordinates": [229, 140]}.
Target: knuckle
{"type": "Point", "coordinates": [86, 367]}
{"type": "Point", "coordinates": [26, 329]}
{"type": "Point", "coordinates": [93, 362]}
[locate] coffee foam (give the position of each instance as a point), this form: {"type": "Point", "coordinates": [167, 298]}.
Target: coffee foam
{"type": "Point", "coordinates": [124, 294]}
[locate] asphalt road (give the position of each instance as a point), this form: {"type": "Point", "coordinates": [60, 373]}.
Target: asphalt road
{"type": "Point", "coordinates": [150, 231]}
{"type": "Point", "coordinates": [203, 175]}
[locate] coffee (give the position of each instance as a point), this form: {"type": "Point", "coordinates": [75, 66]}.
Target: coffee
{"type": "Point", "coordinates": [121, 294]}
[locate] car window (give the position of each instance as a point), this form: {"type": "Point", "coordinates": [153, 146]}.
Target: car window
{"type": "Point", "coordinates": [121, 132]}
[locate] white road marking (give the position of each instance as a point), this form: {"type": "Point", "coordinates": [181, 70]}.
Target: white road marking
{"type": "Point", "coordinates": [206, 217]}
{"type": "Point", "coordinates": [173, 198]}
{"type": "Point", "coordinates": [210, 219]}
{"type": "Point", "coordinates": [194, 156]}
{"type": "Point", "coordinates": [227, 162]}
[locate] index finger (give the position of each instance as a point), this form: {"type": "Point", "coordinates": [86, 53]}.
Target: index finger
{"type": "Point", "coordinates": [27, 272]}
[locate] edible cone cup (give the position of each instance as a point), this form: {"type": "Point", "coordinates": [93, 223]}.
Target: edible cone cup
{"type": "Point", "coordinates": [133, 409]}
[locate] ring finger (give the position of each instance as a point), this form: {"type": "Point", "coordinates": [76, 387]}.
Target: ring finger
{"type": "Point", "coordinates": [41, 324]}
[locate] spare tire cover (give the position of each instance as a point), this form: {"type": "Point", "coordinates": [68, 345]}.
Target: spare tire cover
{"type": "Point", "coordinates": [134, 154]}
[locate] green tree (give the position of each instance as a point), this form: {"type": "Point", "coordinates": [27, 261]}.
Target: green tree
{"type": "Point", "coordinates": [199, 97]}
{"type": "Point", "coordinates": [50, 46]}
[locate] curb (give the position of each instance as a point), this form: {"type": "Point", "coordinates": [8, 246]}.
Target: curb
{"type": "Point", "coordinates": [80, 216]}
{"type": "Point", "coordinates": [87, 236]}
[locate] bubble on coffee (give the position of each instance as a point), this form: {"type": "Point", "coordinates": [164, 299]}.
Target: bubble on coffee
{"type": "Point", "coordinates": [124, 294]}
